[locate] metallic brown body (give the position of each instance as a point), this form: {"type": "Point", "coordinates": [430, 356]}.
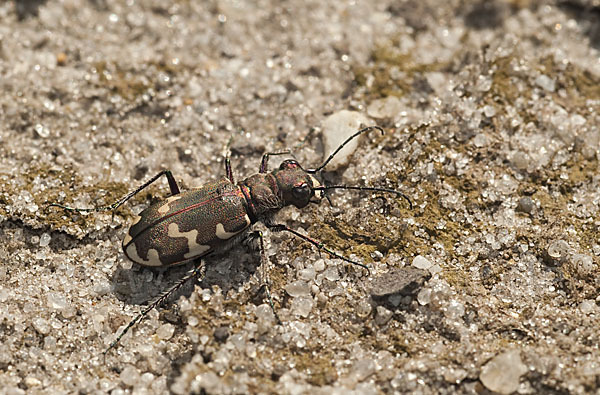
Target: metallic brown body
{"type": "Point", "coordinates": [188, 225]}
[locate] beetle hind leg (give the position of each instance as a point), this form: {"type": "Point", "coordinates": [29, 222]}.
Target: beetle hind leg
{"type": "Point", "coordinates": [198, 272]}
{"type": "Point", "coordinates": [111, 207]}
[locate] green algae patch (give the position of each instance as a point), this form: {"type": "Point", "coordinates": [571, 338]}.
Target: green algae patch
{"type": "Point", "coordinates": [391, 73]}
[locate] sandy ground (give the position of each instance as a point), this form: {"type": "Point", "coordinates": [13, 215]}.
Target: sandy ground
{"type": "Point", "coordinates": [490, 283]}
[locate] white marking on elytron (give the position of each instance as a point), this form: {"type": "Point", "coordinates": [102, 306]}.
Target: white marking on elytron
{"type": "Point", "coordinates": [136, 220]}
{"type": "Point", "coordinates": [316, 183]}
{"type": "Point", "coordinates": [248, 222]}
{"type": "Point", "coordinates": [165, 207]}
{"type": "Point", "coordinates": [195, 248]}
{"type": "Point", "coordinates": [223, 234]}
{"type": "Point", "coordinates": [153, 258]}
{"type": "Point", "coordinates": [127, 239]}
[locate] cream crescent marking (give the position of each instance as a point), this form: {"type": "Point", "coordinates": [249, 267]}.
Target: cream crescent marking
{"type": "Point", "coordinates": [153, 258]}
{"type": "Point", "coordinates": [165, 207]}
{"type": "Point", "coordinates": [223, 234]}
{"type": "Point", "coordinates": [194, 248]}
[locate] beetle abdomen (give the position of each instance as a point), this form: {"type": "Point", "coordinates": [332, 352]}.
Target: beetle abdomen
{"type": "Point", "coordinates": [188, 225]}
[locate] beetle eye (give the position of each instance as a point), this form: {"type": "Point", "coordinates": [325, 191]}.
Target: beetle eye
{"type": "Point", "coordinates": [288, 164]}
{"type": "Point", "coordinates": [301, 192]}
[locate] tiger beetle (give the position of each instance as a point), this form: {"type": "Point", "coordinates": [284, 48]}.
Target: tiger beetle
{"type": "Point", "coordinates": [207, 220]}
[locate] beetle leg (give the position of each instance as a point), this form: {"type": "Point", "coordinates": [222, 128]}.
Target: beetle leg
{"type": "Point", "coordinates": [264, 269]}
{"type": "Point", "coordinates": [227, 160]}
{"type": "Point", "coordinates": [316, 243]}
{"type": "Point", "coordinates": [197, 272]}
{"type": "Point", "coordinates": [172, 186]}
{"type": "Point", "coordinates": [265, 159]}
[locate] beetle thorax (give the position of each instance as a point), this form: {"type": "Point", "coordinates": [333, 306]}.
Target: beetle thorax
{"type": "Point", "coordinates": [262, 195]}
{"type": "Point", "coordinates": [288, 185]}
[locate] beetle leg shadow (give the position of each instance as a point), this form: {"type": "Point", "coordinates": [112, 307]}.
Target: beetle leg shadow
{"type": "Point", "coordinates": [138, 285]}
{"type": "Point", "coordinates": [159, 287]}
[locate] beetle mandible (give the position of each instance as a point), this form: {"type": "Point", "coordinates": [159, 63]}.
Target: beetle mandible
{"type": "Point", "coordinates": [190, 225]}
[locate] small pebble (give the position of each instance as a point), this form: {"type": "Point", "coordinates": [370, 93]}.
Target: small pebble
{"type": "Point", "coordinates": [545, 82]}
{"type": "Point", "coordinates": [41, 325]}
{"type": "Point", "coordinates": [489, 111]}
{"type": "Point", "coordinates": [302, 306]}
{"type": "Point", "coordinates": [336, 129]}
{"type": "Point", "coordinates": [362, 369]}
{"type": "Point", "coordinates": [129, 375]}
{"type": "Point", "coordinates": [298, 288]}
{"type": "Point", "coordinates": [424, 296]}
{"type": "Point", "coordinates": [165, 331]}
{"type": "Point", "coordinates": [503, 372]}
{"type": "Point", "coordinates": [221, 334]}
{"type": "Point", "coordinates": [31, 381]}
{"type": "Point", "coordinates": [525, 205]}
{"type": "Point", "coordinates": [45, 239]}
{"type": "Point", "coordinates": [421, 262]}
{"type": "Point", "coordinates": [319, 265]}
{"type": "Point", "coordinates": [587, 306]}
{"type": "Point", "coordinates": [307, 274]}
{"type": "Point", "coordinates": [383, 315]}
{"type": "Point", "coordinates": [57, 301]}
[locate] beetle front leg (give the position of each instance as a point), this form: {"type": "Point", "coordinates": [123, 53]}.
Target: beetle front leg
{"type": "Point", "coordinates": [316, 243]}
{"type": "Point", "coordinates": [111, 207]}
{"type": "Point", "coordinates": [265, 159]}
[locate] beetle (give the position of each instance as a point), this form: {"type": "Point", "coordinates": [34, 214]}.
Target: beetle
{"type": "Point", "coordinates": [187, 226]}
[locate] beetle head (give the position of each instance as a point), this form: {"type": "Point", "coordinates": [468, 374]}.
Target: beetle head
{"type": "Point", "coordinates": [296, 186]}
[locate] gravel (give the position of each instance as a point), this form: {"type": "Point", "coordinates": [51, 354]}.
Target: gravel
{"type": "Point", "coordinates": [490, 112]}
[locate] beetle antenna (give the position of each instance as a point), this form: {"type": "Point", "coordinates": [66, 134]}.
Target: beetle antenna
{"type": "Point", "coordinates": [339, 148]}
{"type": "Point", "coordinates": [385, 190]}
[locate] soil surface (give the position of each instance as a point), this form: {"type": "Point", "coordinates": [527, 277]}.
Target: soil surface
{"type": "Point", "coordinates": [492, 129]}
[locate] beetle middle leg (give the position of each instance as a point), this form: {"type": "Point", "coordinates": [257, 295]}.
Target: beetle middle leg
{"type": "Point", "coordinates": [198, 272]}
{"type": "Point", "coordinates": [111, 207]}
{"type": "Point", "coordinates": [227, 160]}
{"type": "Point", "coordinates": [264, 269]}
{"type": "Point", "coordinates": [316, 243]}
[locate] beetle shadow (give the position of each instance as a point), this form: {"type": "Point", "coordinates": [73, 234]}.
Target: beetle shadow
{"type": "Point", "coordinates": [141, 285]}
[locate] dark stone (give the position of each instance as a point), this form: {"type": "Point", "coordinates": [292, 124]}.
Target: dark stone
{"type": "Point", "coordinates": [221, 334]}
{"type": "Point", "coordinates": [403, 281]}
{"type": "Point", "coordinates": [525, 205]}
